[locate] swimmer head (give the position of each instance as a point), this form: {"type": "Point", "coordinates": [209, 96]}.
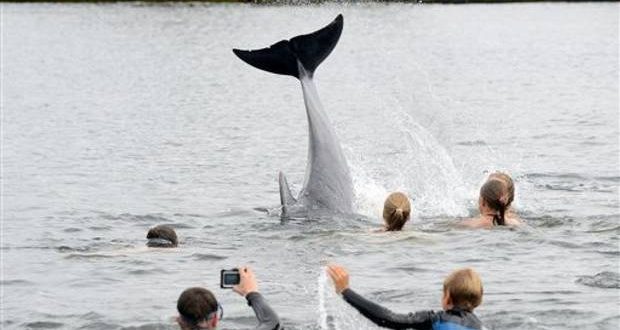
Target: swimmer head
{"type": "Point", "coordinates": [396, 210]}
{"type": "Point", "coordinates": [162, 236]}
{"type": "Point", "coordinates": [493, 200]}
{"type": "Point", "coordinates": [509, 186]}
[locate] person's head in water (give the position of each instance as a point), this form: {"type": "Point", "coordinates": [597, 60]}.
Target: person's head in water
{"type": "Point", "coordinates": [509, 186]}
{"type": "Point", "coordinates": [462, 289]}
{"type": "Point", "coordinates": [162, 236]}
{"type": "Point", "coordinates": [493, 201]}
{"type": "Point", "coordinates": [198, 309]}
{"type": "Point", "coordinates": [396, 211]}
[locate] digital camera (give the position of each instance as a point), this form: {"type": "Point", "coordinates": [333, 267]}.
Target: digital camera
{"type": "Point", "coordinates": [229, 278]}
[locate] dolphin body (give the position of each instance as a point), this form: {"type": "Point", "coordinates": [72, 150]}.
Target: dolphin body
{"type": "Point", "coordinates": [327, 187]}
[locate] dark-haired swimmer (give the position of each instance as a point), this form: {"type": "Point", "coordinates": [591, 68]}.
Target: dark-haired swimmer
{"type": "Point", "coordinates": [496, 195]}
{"type": "Point", "coordinates": [396, 211]}
{"type": "Point", "coordinates": [162, 236]}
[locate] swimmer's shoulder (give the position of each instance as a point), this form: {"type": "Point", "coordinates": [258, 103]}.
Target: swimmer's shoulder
{"type": "Point", "coordinates": [472, 223]}
{"type": "Point", "coordinates": [514, 221]}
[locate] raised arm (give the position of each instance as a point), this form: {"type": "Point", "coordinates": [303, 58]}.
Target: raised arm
{"type": "Point", "coordinates": [384, 317]}
{"type": "Point", "coordinates": [247, 287]}
{"type": "Point", "coordinates": [267, 317]}
{"type": "Point", "coordinates": [378, 314]}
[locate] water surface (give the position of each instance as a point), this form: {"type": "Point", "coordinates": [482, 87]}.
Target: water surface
{"type": "Point", "coordinates": [119, 117]}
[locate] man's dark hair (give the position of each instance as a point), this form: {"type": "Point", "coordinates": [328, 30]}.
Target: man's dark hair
{"type": "Point", "coordinates": [165, 233]}
{"type": "Point", "coordinates": [195, 305]}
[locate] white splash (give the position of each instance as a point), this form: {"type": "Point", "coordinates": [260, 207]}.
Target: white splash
{"type": "Point", "coordinates": [334, 312]}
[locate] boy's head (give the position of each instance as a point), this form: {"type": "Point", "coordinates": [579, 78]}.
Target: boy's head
{"type": "Point", "coordinates": [462, 289]}
{"type": "Point", "coordinates": [198, 309]}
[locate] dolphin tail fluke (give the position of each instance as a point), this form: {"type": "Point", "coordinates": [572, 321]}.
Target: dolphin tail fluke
{"type": "Point", "coordinates": [286, 197]}
{"type": "Point", "coordinates": [310, 49]}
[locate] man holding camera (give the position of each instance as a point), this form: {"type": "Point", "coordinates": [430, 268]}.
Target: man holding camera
{"type": "Point", "coordinates": [198, 308]}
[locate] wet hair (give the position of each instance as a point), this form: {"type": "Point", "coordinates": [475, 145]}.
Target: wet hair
{"type": "Point", "coordinates": [195, 305]}
{"type": "Point", "coordinates": [509, 186]}
{"type": "Point", "coordinates": [465, 288]}
{"type": "Point", "coordinates": [396, 211]}
{"type": "Point", "coordinates": [162, 236]}
{"type": "Point", "coordinates": [492, 194]}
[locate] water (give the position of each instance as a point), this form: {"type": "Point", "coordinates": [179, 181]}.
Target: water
{"type": "Point", "coordinates": [119, 117]}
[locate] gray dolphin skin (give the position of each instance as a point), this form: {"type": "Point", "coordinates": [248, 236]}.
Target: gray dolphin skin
{"type": "Point", "coordinates": [327, 185]}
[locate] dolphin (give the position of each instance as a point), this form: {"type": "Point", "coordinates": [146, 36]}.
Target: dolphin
{"type": "Point", "coordinates": [327, 184]}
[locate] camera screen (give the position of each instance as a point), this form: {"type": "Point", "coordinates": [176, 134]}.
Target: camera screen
{"type": "Point", "coordinates": [231, 278]}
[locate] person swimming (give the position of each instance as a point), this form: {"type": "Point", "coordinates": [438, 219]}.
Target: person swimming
{"type": "Point", "coordinates": [162, 236]}
{"type": "Point", "coordinates": [496, 196]}
{"type": "Point", "coordinates": [396, 211]}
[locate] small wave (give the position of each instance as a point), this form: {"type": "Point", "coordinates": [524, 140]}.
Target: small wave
{"type": "Point", "coordinates": [412, 269]}
{"type": "Point", "coordinates": [100, 325]}
{"type": "Point", "coordinates": [604, 280]}
{"type": "Point", "coordinates": [547, 221]}
{"type": "Point", "coordinates": [561, 187]}
{"type": "Point", "coordinates": [206, 256]}
{"type": "Point", "coordinates": [472, 143]}
{"type": "Point", "coordinates": [91, 316]}
{"type": "Point", "coordinates": [148, 326]}
{"type": "Point", "coordinates": [148, 218]}
{"type": "Point", "coordinates": [261, 209]}
{"type": "Point", "coordinates": [189, 215]}
{"type": "Point", "coordinates": [609, 252]}
{"type": "Point", "coordinates": [142, 271]}
{"type": "Point", "coordinates": [608, 323]}
{"type": "Point", "coordinates": [565, 244]}
{"type": "Point", "coordinates": [87, 256]}
{"type": "Point", "coordinates": [608, 178]}
{"type": "Point", "coordinates": [237, 212]}
{"type": "Point", "coordinates": [391, 295]}
{"type": "Point", "coordinates": [43, 325]}
{"type": "Point", "coordinates": [65, 249]}
{"type": "Point", "coordinates": [14, 282]}
{"type": "Point", "coordinates": [99, 228]}
{"type": "Point", "coordinates": [604, 230]}
{"type": "Point", "coordinates": [555, 176]}
{"type": "Point", "coordinates": [603, 224]}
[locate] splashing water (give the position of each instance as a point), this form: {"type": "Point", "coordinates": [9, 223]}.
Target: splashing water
{"type": "Point", "coordinates": [431, 171]}
{"type": "Point", "coordinates": [334, 313]}
{"type": "Point", "coordinates": [423, 169]}
{"type": "Point", "coordinates": [369, 194]}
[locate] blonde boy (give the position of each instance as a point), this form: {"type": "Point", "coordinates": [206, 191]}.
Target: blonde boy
{"type": "Point", "coordinates": [462, 292]}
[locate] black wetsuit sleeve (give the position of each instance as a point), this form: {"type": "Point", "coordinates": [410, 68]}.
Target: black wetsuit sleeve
{"type": "Point", "coordinates": [383, 317]}
{"type": "Point", "coordinates": [267, 317]}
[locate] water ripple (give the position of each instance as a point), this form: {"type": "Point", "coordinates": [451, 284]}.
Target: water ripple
{"type": "Point", "coordinates": [604, 280]}
{"type": "Point", "coordinates": [43, 325]}
{"type": "Point", "coordinates": [206, 257]}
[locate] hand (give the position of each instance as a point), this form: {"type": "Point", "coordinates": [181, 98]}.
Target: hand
{"type": "Point", "coordinates": [247, 282]}
{"type": "Point", "coordinates": [340, 277]}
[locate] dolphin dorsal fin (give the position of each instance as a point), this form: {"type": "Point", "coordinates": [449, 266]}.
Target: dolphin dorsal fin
{"type": "Point", "coordinates": [286, 197]}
